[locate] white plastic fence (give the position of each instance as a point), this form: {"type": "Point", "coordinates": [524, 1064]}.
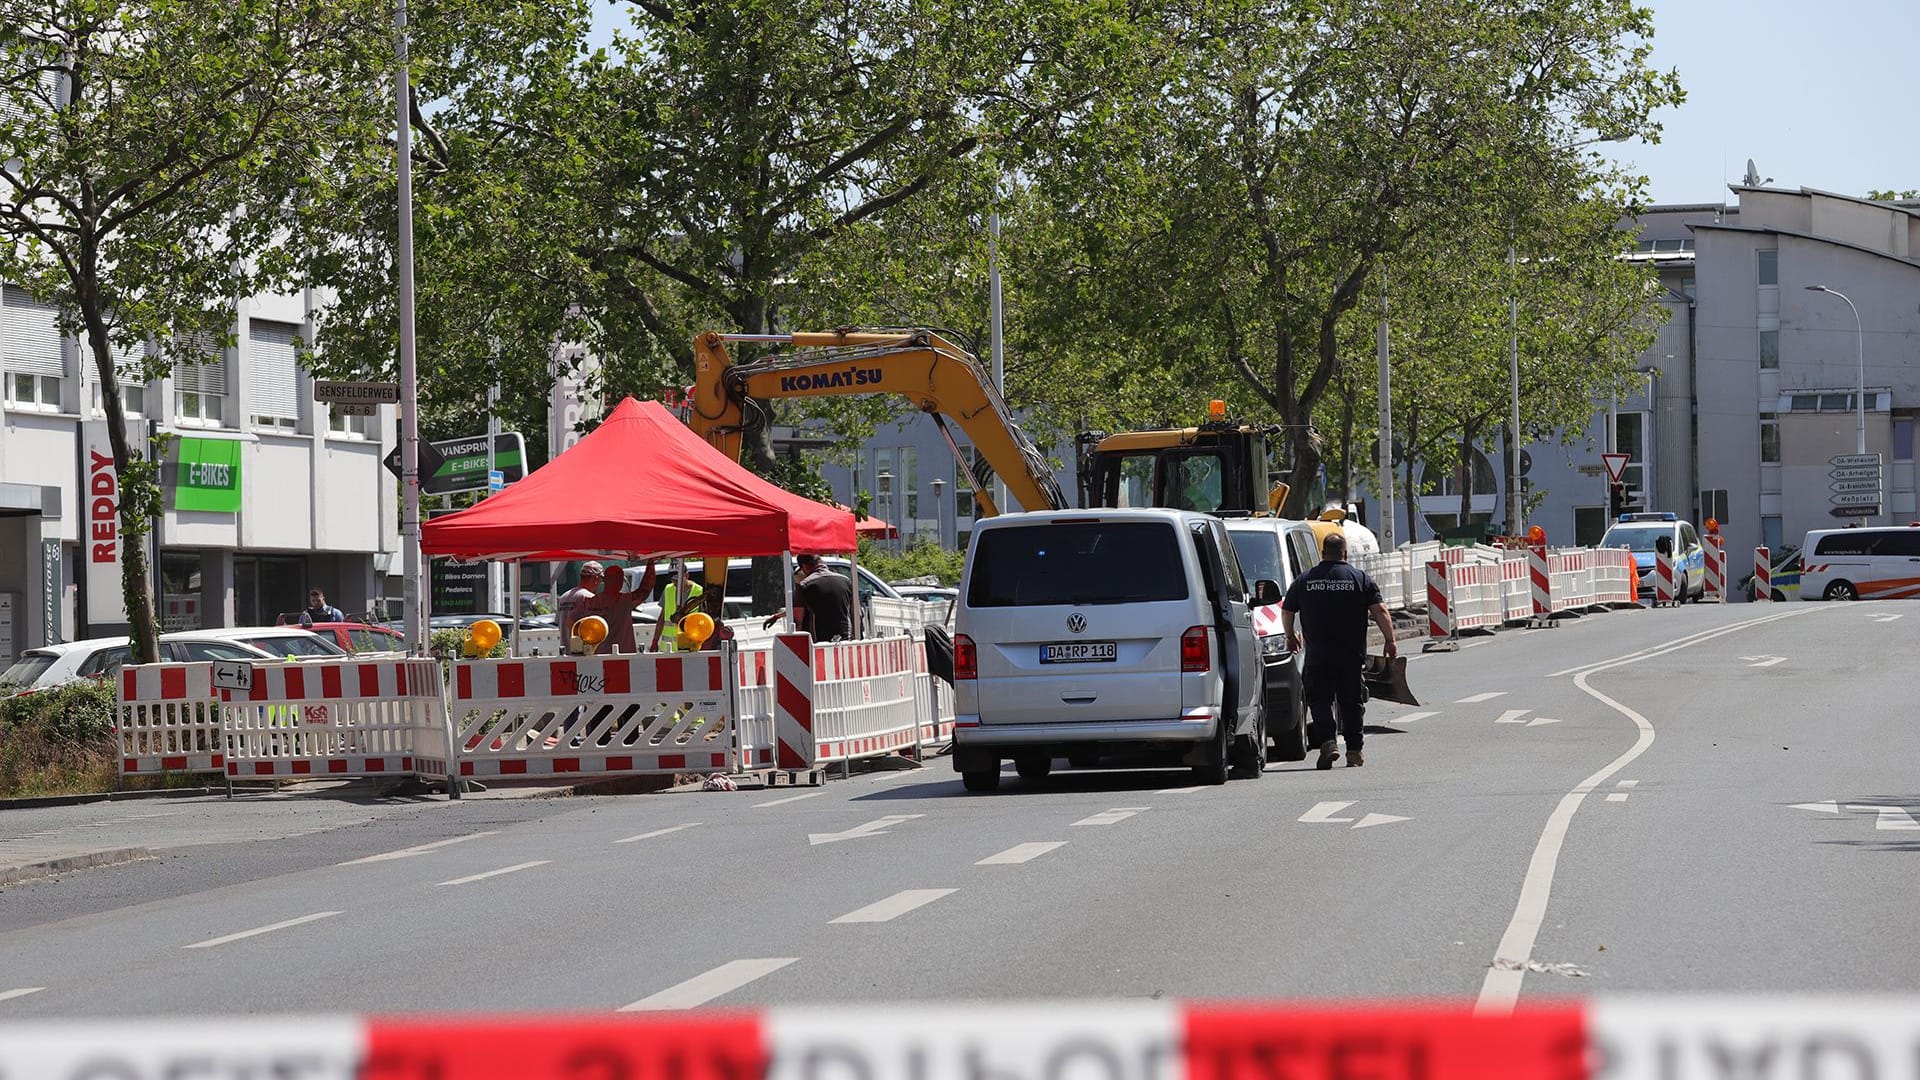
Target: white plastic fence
{"type": "Point", "coordinates": [889, 617]}
{"type": "Point", "coordinates": [864, 700]}
{"type": "Point", "coordinates": [1571, 575]}
{"type": "Point", "coordinates": [168, 717]}
{"type": "Point", "coordinates": [1613, 576]}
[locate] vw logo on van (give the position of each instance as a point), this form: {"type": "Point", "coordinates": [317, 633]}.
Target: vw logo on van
{"type": "Point", "coordinates": [1076, 622]}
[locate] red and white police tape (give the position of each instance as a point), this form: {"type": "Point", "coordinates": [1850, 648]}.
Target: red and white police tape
{"type": "Point", "coordinates": [1608, 1039]}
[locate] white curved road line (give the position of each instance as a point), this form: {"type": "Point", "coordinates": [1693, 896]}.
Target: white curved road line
{"type": "Point", "coordinates": [1500, 990]}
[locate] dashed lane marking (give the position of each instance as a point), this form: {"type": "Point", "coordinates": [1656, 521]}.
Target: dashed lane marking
{"type": "Point", "coordinates": [1322, 813]}
{"type": "Point", "coordinates": [1180, 790]}
{"type": "Point", "coordinates": [1109, 817]}
{"type": "Point", "coordinates": [516, 867]}
{"type": "Point", "coordinates": [1628, 783]}
{"type": "Point", "coordinates": [1513, 716]}
{"type": "Point", "coordinates": [708, 985]}
{"type": "Point", "coordinates": [1538, 720]}
{"type": "Point", "coordinates": [258, 930]}
{"type": "Point", "coordinates": [19, 992]}
{"type": "Point", "coordinates": [1617, 796]}
{"type": "Point", "coordinates": [419, 849]}
{"type": "Point", "coordinates": [788, 799]}
{"type": "Point", "coordinates": [657, 832]}
{"type": "Point", "coordinates": [1022, 853]}
{"type": "Point", "coordinates": [894, 906]}
{"type": "Point", "coordinates": [1478, 698]}
{"type": "Point", "coordinates": [1411, 717]}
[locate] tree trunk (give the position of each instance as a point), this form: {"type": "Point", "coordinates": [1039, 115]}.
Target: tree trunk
{"type": "Point", "coordinates": [1302, 473]}
{"type": "Point", "coordinates": [1346, 449]}
{"type": "Point", "coordinates": [138, 489]}
{"type": "Point", "coordinates": [1412, 440]}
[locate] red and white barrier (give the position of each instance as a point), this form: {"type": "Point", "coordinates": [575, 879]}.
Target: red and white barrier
{"type": "Point", "coordinates": [863, 698]}
{"type": "Point", "coordinates": [1762, 575]}
{"type": "Point", "coordinates": [168, 717]}
{"type": "Point", "coordinates": [1670, 1038]}
{"type": "Point", "coordinates": [1613, 576]}
{"type": "Point", "coordinates": [935, 699]}
{"type": "Point", "coordinates": [1539, 584]}
{"type": "Point", "coordinates": [594, 715]}
{"type": "Point", "coordinates": [793, 701]}
{"type": "Point", "coordinates": [1440, 629]}
{"type": "Point", "coordinates": [337, 718]}
{"type": "Point", "coordinates": [1715, 589]}
{"type": "Point", "coordinates": [1663, 570]}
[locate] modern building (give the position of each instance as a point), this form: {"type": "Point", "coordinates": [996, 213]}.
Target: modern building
{"type": "Point", "coordinates": [265, 493]}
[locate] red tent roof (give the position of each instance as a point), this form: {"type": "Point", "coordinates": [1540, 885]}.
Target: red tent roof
{"type": "Point", "coordinates": [640, 485]}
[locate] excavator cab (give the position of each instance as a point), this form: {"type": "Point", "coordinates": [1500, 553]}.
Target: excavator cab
{"type": "Point", "coordinates": [1219, 467]}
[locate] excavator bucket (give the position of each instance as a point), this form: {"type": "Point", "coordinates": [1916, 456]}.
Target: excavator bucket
{"type": "Point", "coordinates": [1386, 680]}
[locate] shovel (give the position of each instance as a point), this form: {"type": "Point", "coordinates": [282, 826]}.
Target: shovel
{"type": "Point", "coordinates": [1386, 680]}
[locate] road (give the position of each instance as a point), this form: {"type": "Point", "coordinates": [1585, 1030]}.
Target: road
{"type": "Point", "coordinates": [1711, 799]}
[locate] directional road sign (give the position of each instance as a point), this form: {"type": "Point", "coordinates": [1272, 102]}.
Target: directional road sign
{"type": "Point", "coordinates": [496, 481]}
{"type": "Point", "coordinates": [1871, 484]}
{"type": "Point", "coordinates": [1855, 511]}
{"type": "Point", "coordinates": [1616, 465]}
{"type": "Point", "coordinates": [1856, 498]}
{"type": "Point", "coordinates": [1852, 461]}
{"type": "Point", "coordinates": [1861, 472]}
{"type": "Point", "coordinates": [430, 461]}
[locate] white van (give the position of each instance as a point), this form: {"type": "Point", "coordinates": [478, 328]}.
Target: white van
{"type": "Point", "coordinates": [1861, 564]}
{"type": "Point", "coordinates": [1088, 633]}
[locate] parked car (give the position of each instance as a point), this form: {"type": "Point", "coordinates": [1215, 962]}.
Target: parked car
{"type": "Point", "coordinates": [361, 638]}
{"type": "Point", "coordinates": [279, 641]}
{"type": "Point", "coordinates": [1086, 634]}
{"type": "Point", "coordinates": [1861, 564]}
{"type": "Point", "coordinates": [1786, 574]}
{"type": "Point", "coordinates": [53, 665]}
{"type": "Point", "coordinates": [929, 594]}
{"type": "Point", "coordinates": [1642, 533]}
{"type": "Point", "coordinates": [1278, 550]}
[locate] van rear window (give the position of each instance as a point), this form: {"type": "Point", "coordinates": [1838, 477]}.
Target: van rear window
{"type": "Point", "coordinates": [1093, 563]}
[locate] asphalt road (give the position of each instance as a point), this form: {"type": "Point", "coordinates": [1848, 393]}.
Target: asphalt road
{"type": "Point", "coordinates": [1642, 801]}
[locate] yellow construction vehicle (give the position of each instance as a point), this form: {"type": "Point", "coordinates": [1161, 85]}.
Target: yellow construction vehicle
{"type": "Point", "coordinates": [1219, 467]}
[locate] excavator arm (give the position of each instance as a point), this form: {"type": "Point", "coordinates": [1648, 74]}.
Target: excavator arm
{"type": "Point", "coordinates": [938, 376]}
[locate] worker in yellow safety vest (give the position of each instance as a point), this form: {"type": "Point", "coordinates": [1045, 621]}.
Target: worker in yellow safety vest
{"type": "Point", "coordinates": [673, 608]}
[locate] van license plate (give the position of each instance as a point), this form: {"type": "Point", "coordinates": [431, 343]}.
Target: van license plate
{"type": "Point", "coordinates": [1078, 652]}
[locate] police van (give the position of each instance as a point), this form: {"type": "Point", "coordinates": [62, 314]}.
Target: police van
{"type": "Point", "coordinates": [1861, 564]}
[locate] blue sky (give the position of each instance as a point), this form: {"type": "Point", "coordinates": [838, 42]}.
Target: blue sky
{"type": "Point", "coordinates": [1818, 94]}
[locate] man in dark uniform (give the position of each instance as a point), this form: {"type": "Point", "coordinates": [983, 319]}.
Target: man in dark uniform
{"type": "Point", "coordinates": [1333, 601]}
{"type": "Point", "coordinates": [822, 601]}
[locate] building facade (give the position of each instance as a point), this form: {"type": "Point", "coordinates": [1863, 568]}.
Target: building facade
{"type": "Point", "coordinates": [265, 492]}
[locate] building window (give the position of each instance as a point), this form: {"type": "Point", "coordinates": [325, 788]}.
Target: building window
{"type": "Point", "coordinates": [32, 352]}
{"type": "Point", "coordinates": [1836, 402]}
{"type": "Point", "coordinates": [1713, 506]}
{"type": "Point", "coordinates": [1903, 438]}
{"type": "Point", "coordinates": [1769, 267]}
{"type": "Point", "coordinates": [909, 487]}
{"type": "Point", "coordinates": [966, 505]}
{"type": "Point", "coordinates": [1630, 438]}
{"type": "Point", "coordinates": [273, 375]}
{"type": "Point", "coordinates": [200, 383]}
{"type": "Point", "coordinates": [1769, 439]}
{"type": "Point", "coordinates": [1769, 350]}
{"type": "Point", "coordinates": [129, 367]}
{"type": "Point", "coordinates": [1772, 531]}
{"type": "Point", "coordinates": [885, 484]}
{"type": "Point", "coordinates": [1688, 288]}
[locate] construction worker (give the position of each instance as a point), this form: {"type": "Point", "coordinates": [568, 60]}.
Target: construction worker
{"type": "Point", "coordinates": [673, 608]}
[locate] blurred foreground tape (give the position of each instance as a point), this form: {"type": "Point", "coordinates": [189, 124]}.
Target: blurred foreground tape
{"type": "Point", "coordinates": [1615, 1039]}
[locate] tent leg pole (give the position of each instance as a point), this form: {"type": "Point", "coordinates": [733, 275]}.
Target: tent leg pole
{"type": "Point", "coordinates": [853, 578]}
{"type": "Point", "coordinates": [513, 605]}
{"type": "Point", "coordinates": [786, 576]}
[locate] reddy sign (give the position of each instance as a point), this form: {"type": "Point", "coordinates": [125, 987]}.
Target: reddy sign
{"type": "Point", "coordinates": [100, 524]}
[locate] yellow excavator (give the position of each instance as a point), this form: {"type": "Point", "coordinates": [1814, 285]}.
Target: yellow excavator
{"type": "Point", "coordinates": [1219, 467]}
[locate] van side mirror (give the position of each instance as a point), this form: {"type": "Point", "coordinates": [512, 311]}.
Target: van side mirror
{"type": "Point", "coordinates": [1266, 593]}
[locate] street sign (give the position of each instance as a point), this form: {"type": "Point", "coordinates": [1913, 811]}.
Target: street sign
{"type": "Point", "coordinates": [1856, 473]}
{"type": "Point", "coordinates": [1855, 511]}
{"type": "Point", "coordinates": [464, 463]}
{"type": "Point", "coordinates": [233, 675]}
{"type": "Point", "coordinates": [1854, 461]}
{"type": "Point", "coordinates": [430, 461]}
{"type": "Point", "coordinates": [496, 480]}
{"type": "Point", "coordinates": [347, 409]}
{"type": "Point", "coordinates": [356, 393]}
{"type": "Point", "coordinates": [1872, 485]}
{"type": "Point", "coordinates": [1861, 498]}
{"type": "Point", "coordinates": [1616, 465]}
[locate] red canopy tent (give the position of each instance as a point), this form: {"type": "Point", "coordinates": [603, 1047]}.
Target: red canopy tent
{"type": "Point", "coordinates": [641, 485]}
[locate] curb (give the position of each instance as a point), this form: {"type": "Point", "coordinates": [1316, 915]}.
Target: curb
{"type": "Point", "coordinates": [41, 801]}
{"type": "Point", "coordinates": [13, 875]}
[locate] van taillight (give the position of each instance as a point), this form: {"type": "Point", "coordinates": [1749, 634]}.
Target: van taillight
{"type": "Point", "coordinates": [1195, 654]}
{"type": "Point", "coordinates": [966, 661]}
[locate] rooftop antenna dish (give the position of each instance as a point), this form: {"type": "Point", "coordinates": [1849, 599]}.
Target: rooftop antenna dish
{"type": "Point", "coordinates": [1752, 179]}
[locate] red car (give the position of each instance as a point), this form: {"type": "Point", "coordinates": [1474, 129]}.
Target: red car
{"type": "Point", "coordinates": [361, 638]}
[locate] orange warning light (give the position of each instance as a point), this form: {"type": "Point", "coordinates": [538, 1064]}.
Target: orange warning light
{"type": "Point", "coordinates": [1536, 535]}
{"type": "Point", "coordinates": [1713, 526]}
{"type": "Point", "coordinates": [1216, 409]}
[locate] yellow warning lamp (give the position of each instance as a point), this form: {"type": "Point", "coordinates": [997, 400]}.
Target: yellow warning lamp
{"type": "Point", "coordinates": [1216, 409]}
{"type": "Point", "coordinates": [588, 633]}
{"type": "Point", "coordinates": [683, 642]}
{"type": "Point", "coordinates": [1713, 526]}
{"type": "Point", "coordinates": [696, 628]}
{"type": "Point", "coordinates": [482, 636]}
{"type": "Point", "coordinates": [1536, 535]}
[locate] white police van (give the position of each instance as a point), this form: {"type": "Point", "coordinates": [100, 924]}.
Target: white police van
{"type": "Point", "coordinates": [1861, 564]}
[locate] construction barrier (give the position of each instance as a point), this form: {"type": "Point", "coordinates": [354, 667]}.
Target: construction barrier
{"type": "Point", "coordinates": [168, 720]}
{"type": "Point", "coordinates": [1762, 575]}
{"type": "Point", "coordinates": [612, 715]}
{"type": "Point", "coordinates": [1539, 583]}
{"type": "Point", "coordinates": [1613, 576]}
{"type": "Point", "coordinates": [864, 699]}
{"type": "Point", "coordinates": [1440, 630]}
{"type": "Point", "coordinates": [1619, 1038]}
{"type": "Point", "coordinates": [1663, 579]}
{"type": "Point", "coordinates": [1571, 575]}
{"type": "Point", "coordinates": [1516, 590]}
{"type": "Point", "coordinates": [1474, 594]}
{"type": "Point", "coordinates": [933, 698]}
{"type": "Point", "coordinates": [1715, 590]}
{"type": "Point", "coordinates": [888, 617]}
{"type": "Point", "coordinates": [337, 718]}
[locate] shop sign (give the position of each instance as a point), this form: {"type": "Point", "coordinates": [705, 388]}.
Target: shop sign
{"type": "Point", "coordinates": [208, 476]}
{"type": "Point", "coordinates": [101, 539]}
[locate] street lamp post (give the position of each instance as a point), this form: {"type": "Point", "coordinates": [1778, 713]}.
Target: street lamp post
{"type": "Point", "coordinates": [1860, 364]}
{"type": "Point", "coordinates": [1515, 526]}
{"type": "Point", "coordinates": [940, 510]}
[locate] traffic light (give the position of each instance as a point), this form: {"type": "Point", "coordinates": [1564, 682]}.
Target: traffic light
{"type": "Point", "coordinates": [1616, 499]}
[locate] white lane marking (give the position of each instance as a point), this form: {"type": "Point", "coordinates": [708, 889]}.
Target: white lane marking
{"type": "Point", "coordinates": [657, 832]}
{"type": "Point", "coordinates": [258, 930]}
{"type": "Point", "coordinates": [894, 906]}
{"type": "Point", "coordinates": [876, 827]}
{"type": "Point", "coordinates": [20, 992]}
{"type": "Point", "coordinates": [708, 985]}
{"type": "Point", "coordinates": [1411, 717]}
{"type": "Point", "coordinates": [1827, 807]}
{"type": "Point", "coordinates": [1642, 654]}
{"type": "Point", "coordinates": [1500, 990]}
{"type": "Point", "coordinates": [1478, 698]}
{"type": "Point", "coordinates": [1628, 783]}
{"type": "Point", "coordinates": [1321, 813]}
{"type": "Point", "coordinates": [419, 849]}
{"type": "Point", "coordinates": [1109, 817]}
{"type": "Point", "coordinates": [1474, 644]}
{"type": "Point", "coordinates": [1180, 790]}
{"type": "Point", "coordinates": [1538, 720]}
{"type": "Point", "coordinates": [1765, 661]}
{"type": "Point", "coordinates": [471, 878]}
{"type": "Point", "coordinates": [1617, 796]}
{"type": "Point", "coordinates": [788, 799]}
{"type": "Point", "coordinates": [1883, 616]}
{"type": "Point", "coordinates": [1371, 820]}
{"type": "Point", "coordinates": [1022, 853]}
{"type": "Point", "coordinates": [1892, 818]}
{"type": "Point", "coordinates": [1513, 716]}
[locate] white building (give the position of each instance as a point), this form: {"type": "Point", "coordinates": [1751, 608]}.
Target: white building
{"type": "Point", "coordinates": [265, 492]}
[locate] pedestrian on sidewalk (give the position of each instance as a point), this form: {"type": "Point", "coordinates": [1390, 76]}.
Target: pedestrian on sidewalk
{"type": "Point", "coordinates": [1332, 603]}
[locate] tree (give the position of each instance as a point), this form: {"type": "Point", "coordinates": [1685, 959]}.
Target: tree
{"type": "Point", "coordinates": [156, 156]}
{"type": "Point", "coordinates": [1236, 207]}
{"type": "Point", "coordinates": [1890, 195]}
